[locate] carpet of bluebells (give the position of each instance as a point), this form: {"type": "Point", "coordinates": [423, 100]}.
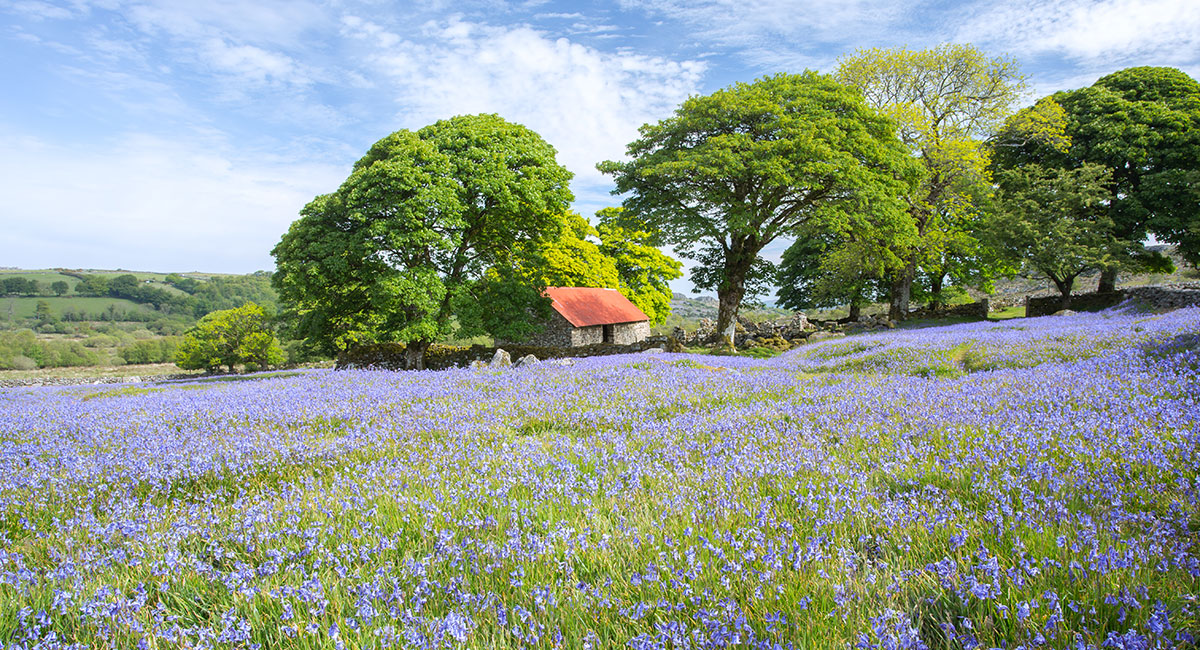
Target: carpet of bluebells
{"type": "Point", "coordinates": [1024, 483]}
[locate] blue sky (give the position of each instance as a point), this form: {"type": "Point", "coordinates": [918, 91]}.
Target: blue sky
{"type": "Point", "coordinates": [181, 135]}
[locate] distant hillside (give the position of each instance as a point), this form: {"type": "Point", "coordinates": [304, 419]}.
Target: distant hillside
{"type": "Point", "coordinates": [51, 318]}
{"type": "Point", "coordinates": [698, 307]}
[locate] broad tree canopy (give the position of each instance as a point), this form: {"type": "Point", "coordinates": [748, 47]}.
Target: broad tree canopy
{"type": "Point", "coordinates": [408, 236]}
{"type": "Point", "coordinates": [733, 171]}
{"type": "Point", "coordinates": [1143, 124]}
{"type": "Point", "coordinates": [946, 102]}
{"type": "Point", "coordinates": [1054, 222]}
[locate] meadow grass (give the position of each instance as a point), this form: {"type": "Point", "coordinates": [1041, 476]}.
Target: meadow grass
{"type": "Point", "coordinates": [979, 485]}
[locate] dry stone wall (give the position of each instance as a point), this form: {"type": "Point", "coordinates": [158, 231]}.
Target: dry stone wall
{"type": "Point", "coordinates": [1155, 298]}
{"type": "Point", "coordinates": [390, 356]}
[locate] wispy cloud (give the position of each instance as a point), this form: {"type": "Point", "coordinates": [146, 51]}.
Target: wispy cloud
{"type": "Point", "coordinates": [275, 23]}
{"type": "Point", "coordinates": [150, 201]}
{"type": "Point", "coordinates": [254, 65]}
{"type": "Point", "coordinates": [38, 10]}
{"type": "Point", "coordinates": [585, 102]}
{"type": "Point", "coordinates": [1107, 31]}
{"type": "Point", "coordinates": [784, 34]}
{"type": "Point", "coordinates": [564, 16]}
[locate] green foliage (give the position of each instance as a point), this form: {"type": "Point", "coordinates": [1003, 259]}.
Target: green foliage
{"type": "Point", "coordinates": [22, 350]}
{"type": "Point", "coordinates": [92, 285]}
{"type": "Point", "coordinates": [733, 171]}
{"type": "Point", "coordinates": [1043, 124]}
{"type": "Point", "coordinates": [17, 285]}
{"type": "Point", "coordinates": [184, 284]}
{"type": "Point", "coordinates": [818, 272]}
{"type": "Point", "coordinates": [230, 337]}
{"type": "Point", "coordinates": [407, 239]}
{"type": "Point", "coordinates": [229, 291]}
{"type": "Point", "coordinates": [1144, 124]}
{"type": "Point", "coordinates": [156, 350]}
{"type": "Point", "coordinates": [643, 270]}
{"type": "Point", "coordinates": [42, 311]}
{"type": "Point", "coordinates": [192, 298]}
{"type": "Point", "coordinates": [570, 260]}
{"type": "Point", "coordinates": [946, 101]}
{"type": "Point", "coordinates": [1055, 222]}
{"type": "Point", "coordinates": [60, 288]}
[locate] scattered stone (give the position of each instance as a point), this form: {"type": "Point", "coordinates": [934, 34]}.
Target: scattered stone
{"type": "Point", "coordinates": [653, 351]}
{"type": "Point", "coordinates": [724, 346]}
{"type": "Point", "coordinates": [823, 336]}
{"type": "Point", "coordinates": [560, 362]}
{"type": "Point", "coordinates": [1064, 312]}
{"type": "Point", "coordinates": [478, 365]}
{"type": "Point", "coordinates": [501, 359]}
{"type": "Point", "coordinates": [673, 344]}
{"type": "Point", "coordinates": [527, 360]}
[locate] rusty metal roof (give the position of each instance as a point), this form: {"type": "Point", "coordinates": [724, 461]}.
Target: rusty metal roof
{"type": "Point", "coordinates": [586, 306]}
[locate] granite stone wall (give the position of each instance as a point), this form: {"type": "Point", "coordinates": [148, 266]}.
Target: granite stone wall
{"type": "Point", "coordinates": [1047, 305]}
{"type": "Point", "coordinates": [1156, 298]}
{"type": "Point", "coordinates": [969, 310]}
{"type": "Point", "coordinates": [390, 356]}
{"type": "Point", "coordinates": [627, 333]}
{"type": "Point", "coordinates": [559, 332]}
{"type": "Point", "coordinates": [586, 335]}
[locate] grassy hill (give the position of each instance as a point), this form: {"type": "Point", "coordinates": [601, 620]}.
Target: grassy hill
{"type": "Point", "coordinates": [109, 318]}
{"type": "Point", "coordinates": [982, 485]}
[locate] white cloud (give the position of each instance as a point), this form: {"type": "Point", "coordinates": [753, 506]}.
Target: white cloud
{"type": "Point", "coordinates": [1106, 33]}
{"type": "Point", "coordinates": [585, 102]}
{"type": "Point", "coordinates": [39, 10]}
{"type": "Point", "coordinates": [785, 34]}
{"type": "Point", "coordinates": [150, 202]}
{"type": "Point", "coordinates": [254, 65]}
{"type": "Point", "coordinates": [280, 23]}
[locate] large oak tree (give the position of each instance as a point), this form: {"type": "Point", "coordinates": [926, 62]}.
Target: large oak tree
{"type": "Point", "coordinates": [1144, 124]}
{"type": "Point", "coordinates": [947, 101]}
{"type": "Point", "coordinates": [733, 171]}
{"type": "Point", "coordinates": [407, 238]}
{"type": "Point", "coordinates": [1055, 222]}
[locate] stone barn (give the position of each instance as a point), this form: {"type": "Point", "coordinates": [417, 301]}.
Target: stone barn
{"type": "Point", "coordinates": [587, 315]}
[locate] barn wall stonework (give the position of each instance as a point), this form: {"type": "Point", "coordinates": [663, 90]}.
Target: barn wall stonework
{"type": "Point", "coordinates": [627, 333]}
{"type": "Point", "coordinates": [559, 332]}
{"type": "Point", "coordinates": [587, 335]}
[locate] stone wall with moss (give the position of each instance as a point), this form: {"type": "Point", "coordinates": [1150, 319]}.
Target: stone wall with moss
{"type": "Point", "coordinates": [1154, 298]}
{"type": "Point", "coordinates": [390, 356]}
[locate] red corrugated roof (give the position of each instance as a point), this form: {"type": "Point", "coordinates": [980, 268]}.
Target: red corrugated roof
{"type": "Point", "coordinates": [586, 306]}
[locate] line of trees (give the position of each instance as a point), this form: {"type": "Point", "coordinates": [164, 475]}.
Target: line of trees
{"type": "Point", "coordinates": [18, 286]}
{"type": "Point", "coordinates": [197, 298]}
{"type": "Point", "coordinates": [904, 173]}
{"type": "Point", "coordinates": [899, 176]}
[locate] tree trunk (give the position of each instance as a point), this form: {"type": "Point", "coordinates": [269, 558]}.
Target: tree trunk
{"type": "Point", "coordinates": [901, 291]}
{"type": "Point", "coordinates": [1064, 287]}
{"type": "Point", "coordinates": [855, 311]}
{"type": "Point", "coordinates": [729, 296]}
{"type": "Point", "coordinates": [935, 289]}
{"type": "Point", "coordinates": [1108, 280]}
{"type": "Point", "coordinates": [414, 355]}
